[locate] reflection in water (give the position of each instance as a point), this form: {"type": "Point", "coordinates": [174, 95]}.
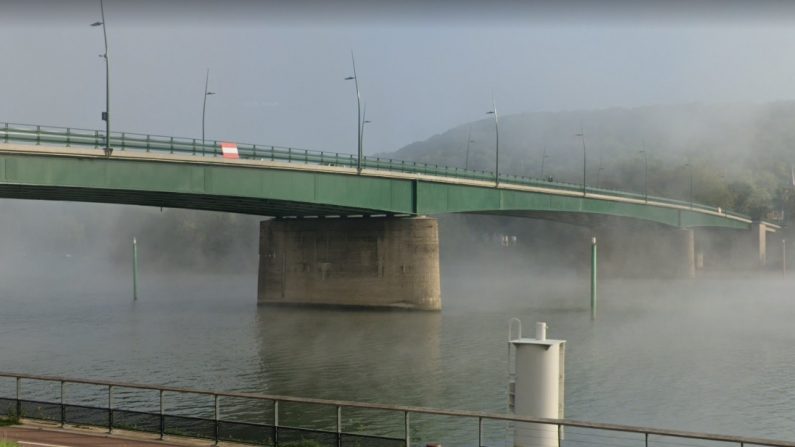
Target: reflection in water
{"type": "Point", "coordinates": [382, 356]}
{"type": "Point", "coordinates": [368, 356]}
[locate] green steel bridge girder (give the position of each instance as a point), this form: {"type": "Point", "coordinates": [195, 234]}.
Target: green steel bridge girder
{"type": "Point", "coordinates": [435, 198]}
{"type": "Point", "coordinates": [283, 190]}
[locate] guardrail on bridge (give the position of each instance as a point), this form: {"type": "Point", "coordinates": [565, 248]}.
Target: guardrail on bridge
{"type": "Point", "coordinates": [66, 136]}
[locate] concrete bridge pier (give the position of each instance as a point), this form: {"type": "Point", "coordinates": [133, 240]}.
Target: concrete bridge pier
{"type": "Point", "coordinates": [360, 262]}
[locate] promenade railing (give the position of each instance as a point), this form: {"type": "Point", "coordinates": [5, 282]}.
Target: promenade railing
{"type": "Point", "coordinates": [124, 141]}
{"type": "Point", "coordinates": [115, 413]}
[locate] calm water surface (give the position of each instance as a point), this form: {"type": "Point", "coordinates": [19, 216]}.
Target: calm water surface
{"type": "Point", "coordinates": [715, 355]}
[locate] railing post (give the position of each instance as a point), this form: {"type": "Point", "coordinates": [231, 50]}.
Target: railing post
{"type": "Point", "coordinates": [110, 408]}
{"type": "Point", "coordinates": [63, 402]}
{"type": "Point", "coordinates": [306, 156]}
{"type": "Point", "coordinates": [254, 151]}
{"type": "Point", "coordinates": [276, 422]}
{"type": "Point", "coordinates": [339, 426]}
{"type": "Point", "coordinates": [560, 438]}
{"type": "Point", "coordinates": [123, 143]}
{"type": "Point", "coordinates": [407, 423]}
{"type": "Point", "coordinates": [217, 416]}
{"type": "Point", "coordinates": [289, 155]}
{"type": "Point", "coordinates": [147, 143]}
{"type": "Point", "coordinates": [162, 417]}
{"type": "Point", "coordinates": [6, 133]}
{"type": "Point", "coordinates": [171, 144]}
{"type": "Point", "coordinates": [96, 139]}
{"type": "Point", "coordinates": [19, 399]}
{"type": "Point", "coordinates": [38, 135]}
{"type": "Point", "coordinates": [647, 439]}
{"type": "Point", "coordinates": [273, 153]}
{"type": "Point", "coordinates": [321, 157]}
{"type": "Point", "coordinates": [193, 146]}
{"type": "Point", "coordinates": [68, 139]}
{"type": "Point", "coordinates": [480, 432]}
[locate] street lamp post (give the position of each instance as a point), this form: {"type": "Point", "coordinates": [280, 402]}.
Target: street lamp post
{"type": "Point", "coordinates": [691, 186]}
{"type": "Point", "coordinates": [645, 175]}
{"type": "Point", "coordinates": [544, 156]}
{"type": "Point", "coordinates": [204, 105]}
{"type": "Point", "coordinates": [690, 171]}
{"type": "Point", "coordinates": [106, 113]}
{"type": "Point", "coordinates": [599, 173]}
{"type": "Point", "coordinates": [469, 140]}
{"type": "Point", "coordinates": [584, 159]}
{"type": "Point", "coordinates": [364, 121]}
{"type": "Point", "coordinates": [493, 111]}
{"type": "Point", "coordinates": [359, 123]}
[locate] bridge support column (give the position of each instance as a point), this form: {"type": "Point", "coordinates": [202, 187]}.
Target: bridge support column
{"type": "Point", "coordinates": [362, 262]}
{"type": "Point", "coordinates": [759, 242]}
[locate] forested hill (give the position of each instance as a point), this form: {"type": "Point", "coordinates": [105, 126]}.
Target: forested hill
{"type": "Point", "coordinates": [740, 153]}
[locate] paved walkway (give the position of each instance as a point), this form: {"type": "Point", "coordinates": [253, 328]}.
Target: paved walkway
{"type": "Point", "coordinates": [32, 436]}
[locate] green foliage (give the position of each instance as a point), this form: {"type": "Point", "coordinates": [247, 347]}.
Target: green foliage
{"type": "Point", "coordinates": [738, 155]}
{"type": "Point", "coordinates": [190, 240]}
{"type": "Point", "coordinates": [8, 444]}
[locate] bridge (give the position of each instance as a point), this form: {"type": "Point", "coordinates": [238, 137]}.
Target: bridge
{"type": "Point", "coordinates": [339, 232]}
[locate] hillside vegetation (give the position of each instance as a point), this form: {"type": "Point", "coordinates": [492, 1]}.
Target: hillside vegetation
{"type": "Point", "coordinates": [739, 155]}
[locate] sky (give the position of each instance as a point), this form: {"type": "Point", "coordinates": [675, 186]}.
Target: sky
{"type": "Point", "coordinates": [278, 67]}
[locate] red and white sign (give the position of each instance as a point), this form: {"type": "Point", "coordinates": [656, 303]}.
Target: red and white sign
{"type": "Point", "coordinates": [229, 150]}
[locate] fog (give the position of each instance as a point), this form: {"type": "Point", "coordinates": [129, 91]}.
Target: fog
{"type": "Point", "coordinates": [705, 83]}
{"type": "Point", "coordinates": [278, 70]}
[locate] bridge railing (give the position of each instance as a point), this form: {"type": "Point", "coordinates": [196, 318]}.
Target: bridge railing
{"type": "Point", "coordinates": [284, 420]}
{"type": "Point", "coordinates": [66, 136]}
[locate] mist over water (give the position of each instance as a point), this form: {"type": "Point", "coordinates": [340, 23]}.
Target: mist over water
{"type": "Point", "coordinates": [714, 354]}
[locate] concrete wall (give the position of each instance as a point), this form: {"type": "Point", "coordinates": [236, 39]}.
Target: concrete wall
{"type": "Point", "coordinates": [367, 262]}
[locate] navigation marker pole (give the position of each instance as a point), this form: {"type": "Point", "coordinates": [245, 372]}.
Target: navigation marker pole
{"type": "Point", "coordinates": [135, 270]}
{"type": "Point", "coordinates": [593, 278]}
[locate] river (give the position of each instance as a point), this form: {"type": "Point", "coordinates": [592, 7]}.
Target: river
{"type": "Point", "coordinates": [714, 354]}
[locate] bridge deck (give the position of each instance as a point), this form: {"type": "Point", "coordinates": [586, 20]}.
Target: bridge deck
{"type": "Point", "coordinates": [286, 182]}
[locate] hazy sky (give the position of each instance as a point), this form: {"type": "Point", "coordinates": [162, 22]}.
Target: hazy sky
{"type": "Point", "coordinates": [278, 67]}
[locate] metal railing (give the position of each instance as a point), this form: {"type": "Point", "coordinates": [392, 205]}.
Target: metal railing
{"type": "Point", "coordinates": [112, 416]}
{"type": "Point", "coordinates": [67, 136]}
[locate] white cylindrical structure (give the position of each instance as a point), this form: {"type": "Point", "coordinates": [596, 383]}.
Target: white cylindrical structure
{"type": "Point", "coordinates": [541, 331]}
{"type": "Point", "coordinates": [539, 387]}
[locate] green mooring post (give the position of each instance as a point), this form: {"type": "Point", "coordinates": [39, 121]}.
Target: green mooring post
{"type": "Point", "coordinates": [593, 278]}
{"type": "Point", "coordinates": [135, 270]}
